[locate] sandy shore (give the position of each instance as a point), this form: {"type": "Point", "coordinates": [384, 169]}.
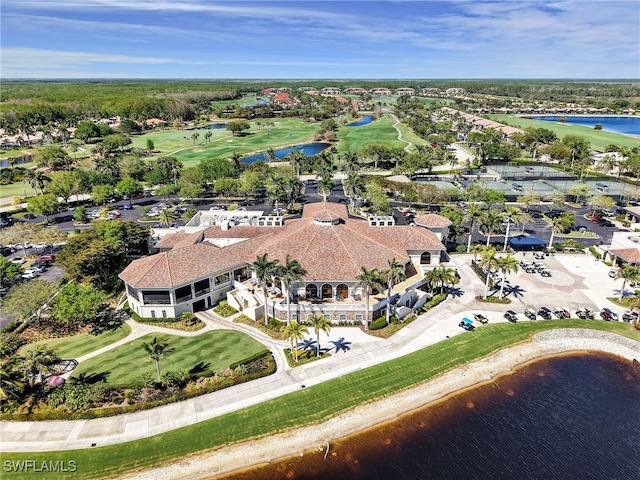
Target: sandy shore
{"type": "Point", "coordinates": [295, 442]}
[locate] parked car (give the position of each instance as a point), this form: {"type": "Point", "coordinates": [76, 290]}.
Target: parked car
{"type": "Point", "coordinates": [545, 272]}
{"type": "Point", "coordinates": [608, 315]}
{"type": "Point", "coordinates": [18, 260]}
{"type": "Point", "coordinates": [545, 313]}
{"type": "Point", "coordinates": [629, 316]}
{"type": "Point", "coordinates": [613, 273]}
{"type": "Point", "coordinates": [125, 206]}
{"type": "Point", "coordinates": [35, 268]}
{"type": "Point", "coordinates": [603, 222]}
{"type": "Point", "coordinates": [468, 327]}
{"type": "Point", "coordinates": [536, 215]}
{"type": "Point", "coordinates": [511, 316]}
{"type": "Point", "coordinates": [585, 313]}
{"type": "Point", "coordinates": [45, 259]}
{"type": "Point", "coordinates": [530, 314]}
{"type": "Point", "coordinates": [30, 274]}
{"type": "Point", "coordinates": [480, 318]}
{"type": "Point", "coordinates": [561, 312]}
{"type": "Point", "coordinates": [539, 255]}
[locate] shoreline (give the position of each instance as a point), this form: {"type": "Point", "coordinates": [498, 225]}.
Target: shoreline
{"type": "Point", "coordinates": [241, 456]}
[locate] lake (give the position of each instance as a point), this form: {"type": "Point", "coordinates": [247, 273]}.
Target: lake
{"type": "Point", "coordinates": [217, 126]}
{"type": "Point", "coordinates": [613, 123]}
{"type": "Point", "coordinates": [568, 418]}
{"type": "Point", "coordinates": [308, 149]}
{"type": "Point", "coordinates": [363, 121]}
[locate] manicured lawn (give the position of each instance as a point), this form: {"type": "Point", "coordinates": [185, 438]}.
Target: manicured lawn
{"type": "Point", "coordinates": [286, 132]}
{"type": "Point", "coordinates": [17, 190]}
{"type": "Point", "coordinates": [598, 138]}
{"type": "Point", "coordinates": [380, 131]}
{"type": "Point", "coordinates": [244, 101]}
{"type": "Point", "coordinates": [303, 407]}
{"type": "Point", "coordinates": [127, 363]}
{"type": "Point", "coordinates": [79, 345]}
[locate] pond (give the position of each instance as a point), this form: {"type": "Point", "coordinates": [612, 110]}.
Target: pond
{"type": "Point", "coordinates": [217, 126]}
{"type": "Point", "coordinates": [612, 123]}
{"type": "Point", "coordinates": [367, 119]}
{"type": "Point", "coordinates": [308, 149]}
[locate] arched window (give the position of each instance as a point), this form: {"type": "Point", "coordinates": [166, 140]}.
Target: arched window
{"type": "Point", "coordinates": [327, 291]}
{"type": "Point", "coordinates": [312, 290]}
{"type": "Point", "coordinates": [425, 258]}
{"type": "Point", "coordinates": [342, 291]}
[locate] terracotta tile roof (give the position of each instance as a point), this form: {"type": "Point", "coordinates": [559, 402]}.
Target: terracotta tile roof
{"type": "Point", "coordinates": [629, 255]}
{"type": "Point", "coordinates": [327, 251]}
{"type": "Point", "coordinates": [432, 220]}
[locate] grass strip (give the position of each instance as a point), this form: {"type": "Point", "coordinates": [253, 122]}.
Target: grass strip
{"type": "Point", "coordinates": [79, 345]}
{"type": "Point", "coordinates": [304, 407]}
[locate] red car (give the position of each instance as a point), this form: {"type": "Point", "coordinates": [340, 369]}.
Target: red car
{"type": "Point", "coordinates": [45, 259]}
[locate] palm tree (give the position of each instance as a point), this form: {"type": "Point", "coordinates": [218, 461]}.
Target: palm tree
{"type": "Point", "coordinates": [10, 384]}
{"type": "Point", "coordinates": [275, 191]}
{"type": "Point", "coordinates": [392, 275]}
{"type": "Point", "coordinates": [194, 137]}
{"type": "Point", "coordinates": [628, 273]}
{"type": "Point", "coordinates": [189, 214]}
{"type": "Point", "coordinates": [350, 163]}
{"type": "Point", "coordinates": [265, 270]}
{"type": "Point", "coordinates": [166, 218]}
{"type": "Point", "coordinates": [474, 214]}
{"type": "Point", "coordinates": [157, 349]}
{"type": "Point", "coordinates": [38, 362]}
{"type": "Point", "coordinates": [506, 265]}
{"type": "Point", "coordinates": [320, 324]}
{"type": "Point", "coordinates": [296, 158]}
{"type": "Point", "coordinates": [270, 155]}
{"type": "Point", "coordinates": [488, 263]}
{"type": "Point", "coordinates": [207, 136]}
{"type": "Point", "coordinates": [37, 180]}
{"type": "Point", "coordinates": [512, 215]}
{"type": "Point", "coordinates": [294, 331]}
{"type": "Point", "coordinates": [490, 223]}
{"type": "Point", "coordinates": [354, 187]}
{"type": "Point", "coordinates": [449, 277]}
{"type": "Point", "coordinates": [433, 278]}
{"type": "Point", "coordinates": [370, 279]}
{"type": "Point", "coordinates": [558, 225]}
{"type": "Point", "coordinates": [290, 273]}
{"type": "Point", "coordinates": [325, 186]}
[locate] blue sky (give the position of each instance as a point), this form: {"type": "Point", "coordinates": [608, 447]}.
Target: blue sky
{"type": "Point", "coordinates": [319, 39]}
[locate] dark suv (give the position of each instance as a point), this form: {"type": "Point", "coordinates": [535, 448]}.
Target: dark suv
{"type": "Point", "coordinates": [511, 316]}
{"type": "Point", "coordinates": [545, 313]}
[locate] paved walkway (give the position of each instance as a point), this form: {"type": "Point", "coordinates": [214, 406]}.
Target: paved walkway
{"type": "Point", "coordinates": [395, 125]}
{"type": "Point", "coordinates": [361, 351]}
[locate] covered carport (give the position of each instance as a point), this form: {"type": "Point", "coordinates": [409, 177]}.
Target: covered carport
{"type": "Point", "coordinates": [527, 243]}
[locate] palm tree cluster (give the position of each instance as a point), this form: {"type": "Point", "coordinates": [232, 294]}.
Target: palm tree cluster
{"type": "Point", "coordinates": [490, 261]}
{"type": "Point", "coordinates": [491, 221]}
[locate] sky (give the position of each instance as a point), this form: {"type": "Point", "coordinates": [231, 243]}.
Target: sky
{"type": "Point", "coordinates": [576, 39]}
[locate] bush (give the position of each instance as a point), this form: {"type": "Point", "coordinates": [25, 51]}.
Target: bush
{"type": "Point", "coordinates": [503, 300]}
{"type": "Point", "coordinates": [461, 249]}
{"type": "Point", "coordinates": [224, 309]}
{"type": "Point", "coordinates": [378, 323]}
{"type": "Point", "coordinates": [595, 252]}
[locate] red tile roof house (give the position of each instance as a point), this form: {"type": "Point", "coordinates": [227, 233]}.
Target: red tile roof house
{"type": "Point", "coordinates": [201, 265]}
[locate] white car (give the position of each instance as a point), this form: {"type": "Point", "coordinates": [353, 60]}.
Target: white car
{"type": "Point", "coordinates": [18, 260]}
{"type": "Point", "coordinates": [30, 274]}
{"type": "Point", "coordinates": [35, 269]}
{"type": "Point", "coordinates": [41, 246]}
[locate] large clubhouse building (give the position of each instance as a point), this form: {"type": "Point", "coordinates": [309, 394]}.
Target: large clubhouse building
{"type": "Point", "coordinates": [210, 260]}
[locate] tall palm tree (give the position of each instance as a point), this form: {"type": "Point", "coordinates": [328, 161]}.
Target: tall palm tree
{"type": "Point", "coordinates": [557, 225]}
{"type": "Point", "coordinates": [292, 188]}
{"type": "Point", "coordinates": [38, 362]}
{"type": "Point", "coordinates": [194, 137]}
{"type": "Point", "coordinates": [265, 270]}
{"type": "Point", "coordinates": [325, 187]}
{"type": "Point", "coordinates": [488, 263]}
{"type": "Point", "coordinates": [296, 158]}
{"type": "Point", "coordinates": [270, 155]}
{"type": "Point", "coordinates": [275, 191]}
{"type": "Point", "coordinates": [433, 277]}
{"type": "Point", "coordinates": [290, 273]}
{"type": "Point", "coordinates": [491, 223]}
{"type": "Point", "coordinates": [628, 273]}
{"type": "Point", "coordinates": [350, 163]}
{"type": "Point", "coordinates": [320, 324]}
{"type": "Point", "coordinates": [37, 180]}
{"type": "Point", "coordinates": [512, 215]}
{"type": "Point", "coordinates": [157, 349]}
{"type": "Point", "coordinates": [506, 265]}
{"type": "Point", "coordinates": [392, 275]}
{"type": "Point", "coordinates": [294, 331]}
{"type": "Point", "coordinates": [354, 187]}
{"type": "Point", "coordinates": [10, 384]}
{"type": "Point", "coordinates": [370, 279]}
{"type": "Point", "coordinates": [207, 136]}
{"type": "Point", "coordinates": [474, 214]}
{"type": "Point", "coordinates": [449, 277]}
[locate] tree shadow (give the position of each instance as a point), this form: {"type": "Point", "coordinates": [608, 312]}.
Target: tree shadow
{"type": "Point", "coordinates": [341, 345]}
{"type": "Point", "coordinates": [199, 368]}
{"type": "Point", "coordinates": [516, 291]}
{"type": "Point", "coordinates": [89, 379]}
{"type": "Point", "coordinates": [307, 344]}
{"type": "Point", "coordinates": [455, 292]}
